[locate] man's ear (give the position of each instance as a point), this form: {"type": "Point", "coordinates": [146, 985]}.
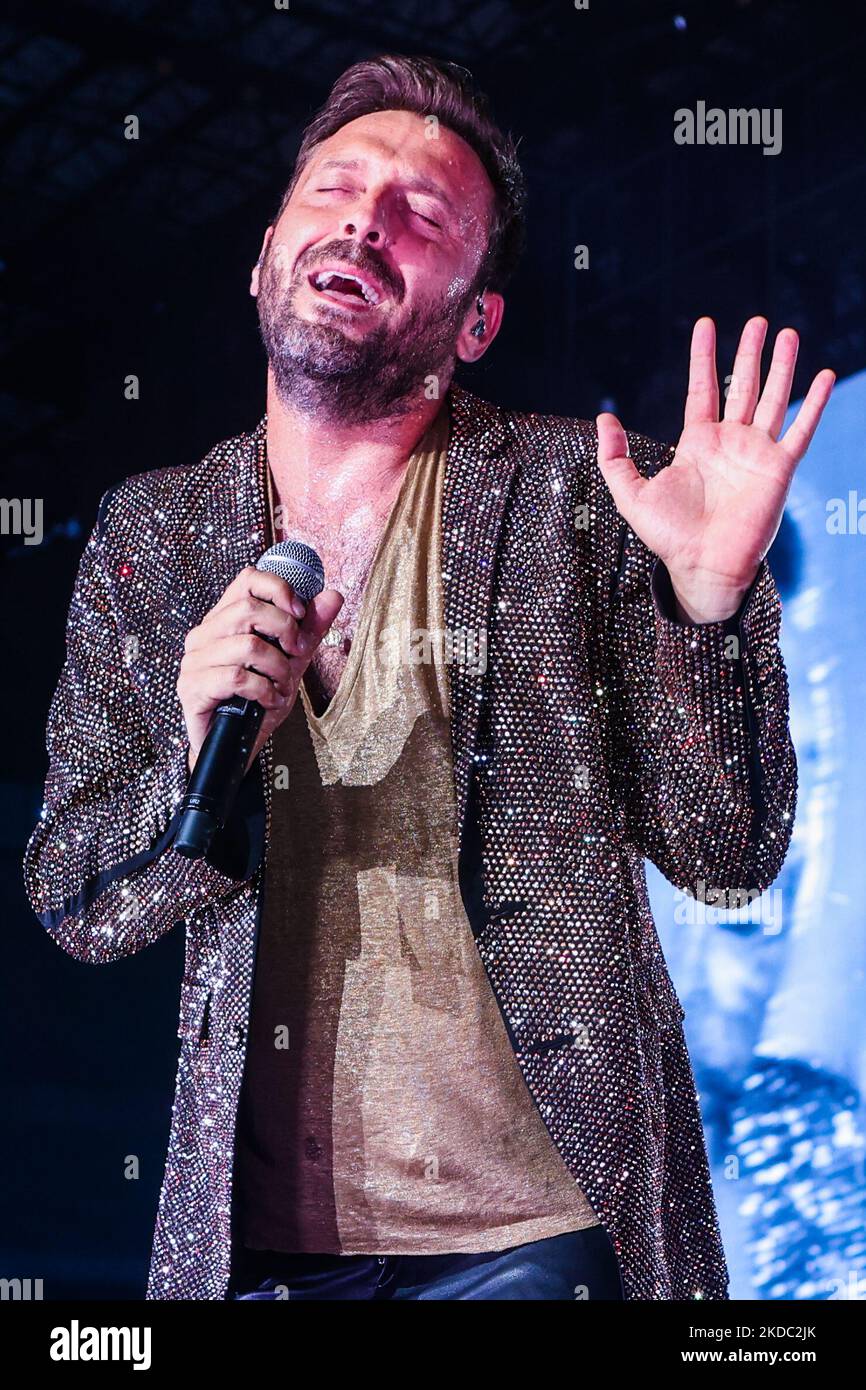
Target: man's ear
{"type": "Point", "coordinates": [254, 278]}
{"type": "Point", "coordinates": [480, 325]}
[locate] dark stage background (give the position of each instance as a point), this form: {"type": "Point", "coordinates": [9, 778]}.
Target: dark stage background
{"type": "Point", "coordinates": [128, 257]}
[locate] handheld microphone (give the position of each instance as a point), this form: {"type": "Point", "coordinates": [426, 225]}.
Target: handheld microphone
{"type": "Point", "coordinates": [222, 761]}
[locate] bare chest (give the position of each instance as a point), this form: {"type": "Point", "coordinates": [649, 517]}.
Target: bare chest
{"type": "Point", "coordinates": [347, 550]}
{"type": "Point", "coordinates": [347, 563]}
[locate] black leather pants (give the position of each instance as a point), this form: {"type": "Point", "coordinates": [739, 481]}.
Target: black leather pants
{"type": "Point", "coordinates": [577, 1266]}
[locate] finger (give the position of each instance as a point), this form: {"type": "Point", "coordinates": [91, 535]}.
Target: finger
{"type": "Point", "coordinates": [246, 614]}
{"type": "Point", "coordinates": [244, 649]}
{"type": "Point", "coordinates": [745, 386]}
{"type": "Point", "coordinates": [616, 467]}
{"type": "Point", "coordinates": [221, 682]}
{"type": "Point", "coordinates": [798, 436]}
{"type": "Point", "coordinates": [702, 400]}
{"type": "Point", "coordinates": [263, 585]}
{"type": "Point", "coordinates": [612, 438]}
{"type": "Point", "coordinates": [770, 412]}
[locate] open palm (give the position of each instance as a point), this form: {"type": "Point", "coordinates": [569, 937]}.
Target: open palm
{"type": "Point", "coordinates": [712, 513]}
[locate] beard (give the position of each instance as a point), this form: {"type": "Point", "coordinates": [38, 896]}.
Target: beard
{"type": "Point", "coordinates": [321, 370]}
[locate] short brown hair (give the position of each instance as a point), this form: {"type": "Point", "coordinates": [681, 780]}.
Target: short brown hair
{"type": "Point", "coordinates": [394, 82]}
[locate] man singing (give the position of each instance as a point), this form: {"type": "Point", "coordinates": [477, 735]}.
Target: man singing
{"type": "Point", "coordinates": [430, 1047]}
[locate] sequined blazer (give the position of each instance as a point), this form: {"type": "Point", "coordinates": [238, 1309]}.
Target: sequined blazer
{"type": "Point", "coordinates": [601, 733]}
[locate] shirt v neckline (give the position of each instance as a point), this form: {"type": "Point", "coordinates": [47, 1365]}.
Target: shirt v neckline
{"type": "Point", "coordinates": [324, 723]}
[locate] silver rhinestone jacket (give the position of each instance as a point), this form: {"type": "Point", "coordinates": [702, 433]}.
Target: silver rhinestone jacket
{"type": "Point", "coordinates": [602, 732]}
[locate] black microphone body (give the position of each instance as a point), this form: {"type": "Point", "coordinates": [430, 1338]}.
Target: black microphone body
{"type": "Point", "coordinates": [222, 761]}
{"type": "Point", "coordinates": [218, 772]}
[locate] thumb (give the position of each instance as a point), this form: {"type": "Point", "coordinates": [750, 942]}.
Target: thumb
{"type": "Point", "coordinates": [617, 469]}
{"type": "Point", "coordinates": [321, 612]}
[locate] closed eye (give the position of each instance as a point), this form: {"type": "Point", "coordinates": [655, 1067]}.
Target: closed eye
{"type": "Point", "coordinates": [424, 218]}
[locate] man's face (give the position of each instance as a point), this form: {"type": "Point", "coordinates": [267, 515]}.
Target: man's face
{"type": "Point", "coordinates": [406, 214]}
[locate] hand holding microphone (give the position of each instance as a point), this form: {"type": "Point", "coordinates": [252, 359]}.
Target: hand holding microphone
{"type": "Point", "coordinates": [240, 674]}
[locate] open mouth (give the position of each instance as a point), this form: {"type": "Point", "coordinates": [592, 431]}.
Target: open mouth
{"type": "Point", "coordinates": [344, 287]}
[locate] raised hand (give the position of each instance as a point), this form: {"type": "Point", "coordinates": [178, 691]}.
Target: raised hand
{"type": "Point", "coordinates": [711, 515]}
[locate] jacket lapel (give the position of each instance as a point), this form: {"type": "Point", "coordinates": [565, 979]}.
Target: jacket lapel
{"type": "Point", "coordinates": [248, 538]}
{"type": "Point", "coordinates": [478, 474]}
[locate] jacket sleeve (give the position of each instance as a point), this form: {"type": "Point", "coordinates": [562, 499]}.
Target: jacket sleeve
{"type": "Point", "coordinates": [99, 868]}
{"type": "Point", "coordinates": [703, 768]}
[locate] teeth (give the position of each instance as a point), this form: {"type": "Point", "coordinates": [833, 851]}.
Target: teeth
{"type": "Point", "coordinates": [324, 278]}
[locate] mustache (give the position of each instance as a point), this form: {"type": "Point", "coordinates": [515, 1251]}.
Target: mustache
{"type": "Point", "coordinates": [351, 254]}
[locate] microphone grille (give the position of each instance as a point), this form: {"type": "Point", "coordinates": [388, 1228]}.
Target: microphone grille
{"type": "Point", "coordinates": [298, 565]}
